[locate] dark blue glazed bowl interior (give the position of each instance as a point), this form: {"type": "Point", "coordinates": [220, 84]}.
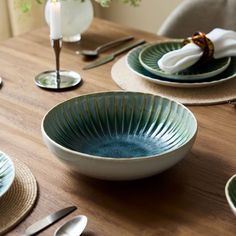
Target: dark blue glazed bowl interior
{"type": "Point", "coordinates": [120, 124]}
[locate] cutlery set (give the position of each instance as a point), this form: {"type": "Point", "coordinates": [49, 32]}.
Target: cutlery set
{"type": "Point", "coordinates": [73, 227]}
{"type": "Point", "coordinates": [106, 46]}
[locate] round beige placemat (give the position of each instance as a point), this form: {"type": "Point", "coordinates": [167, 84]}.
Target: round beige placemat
{"type": "Point", "coordinates": [20, 198]}
{"type": "Point", "coordinates": [217, 94]}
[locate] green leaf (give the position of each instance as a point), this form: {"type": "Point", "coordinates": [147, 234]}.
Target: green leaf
{"type": "Point", "coordinates": [25, 7]}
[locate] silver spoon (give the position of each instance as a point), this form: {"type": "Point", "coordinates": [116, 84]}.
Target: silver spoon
{"type": "Point", "coordinates": [73, 227]}
{"type": "Point", "coordinates": [104, 47]}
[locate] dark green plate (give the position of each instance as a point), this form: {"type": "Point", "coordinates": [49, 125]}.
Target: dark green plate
{"type": "Point", "coordinates": [150, 55]}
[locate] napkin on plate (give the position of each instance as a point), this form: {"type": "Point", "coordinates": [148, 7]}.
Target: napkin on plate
{"type": "Point", "coordinates": [224, 46]}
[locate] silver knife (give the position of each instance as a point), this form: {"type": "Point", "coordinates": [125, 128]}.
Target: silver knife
{"type": "Point", "coordinates": [110, 57]}
{"type": "Point", "coordinates": [48, 220]}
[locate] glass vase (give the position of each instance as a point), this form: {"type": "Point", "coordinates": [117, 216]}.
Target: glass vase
{"type": "Point", "coordinates": [76, 16]}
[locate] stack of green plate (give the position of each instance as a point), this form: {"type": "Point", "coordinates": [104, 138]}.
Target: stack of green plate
{"type": "Point", "coordinates": [143, 62]}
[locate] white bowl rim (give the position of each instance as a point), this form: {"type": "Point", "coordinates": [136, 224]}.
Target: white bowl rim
{"type": "Point", "coordinates": [13, 173]}
{"type": "Point", "coordinates": [118, 159]}
{"type": "Point", "coordinates": [227, 193]}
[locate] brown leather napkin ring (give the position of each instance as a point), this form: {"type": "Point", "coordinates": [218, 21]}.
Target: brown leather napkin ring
{"type": "Point", "coordinates": [200, 39]}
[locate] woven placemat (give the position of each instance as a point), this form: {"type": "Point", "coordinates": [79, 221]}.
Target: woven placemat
{"type": "Point", "coordinates": [20, 198]}
{"type": "Point", "coordinates": [217, 94]}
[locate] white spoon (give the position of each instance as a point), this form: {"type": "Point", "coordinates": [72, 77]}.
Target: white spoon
{"type": "Point", "coordinates": [73, 227]}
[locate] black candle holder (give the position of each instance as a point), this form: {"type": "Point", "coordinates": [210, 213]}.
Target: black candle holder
{"type": "Point", "coordinates": [57, 79]}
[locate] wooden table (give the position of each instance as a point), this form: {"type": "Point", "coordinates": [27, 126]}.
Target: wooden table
{"type": "Point", "coordinates": [185, 200]}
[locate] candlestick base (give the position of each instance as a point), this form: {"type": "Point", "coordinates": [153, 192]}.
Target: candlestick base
{"type": "Point", "coordinates": [49, 80]}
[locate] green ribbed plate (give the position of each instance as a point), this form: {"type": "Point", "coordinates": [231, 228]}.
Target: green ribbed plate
{"type": "Point", "coordinates": [135, 66]}
{"type": "Point", "coordinates": [150, 55]}
{"type": "Point", "coordinates": [7, 173]}
{"type": "Point", "coordinates": [120, 125]}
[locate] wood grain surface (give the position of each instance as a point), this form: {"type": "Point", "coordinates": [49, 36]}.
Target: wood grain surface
{"type": "Point", "coordinates": [186, 200]}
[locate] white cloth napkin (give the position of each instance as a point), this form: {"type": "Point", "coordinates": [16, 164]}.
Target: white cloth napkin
{"type": "Point", "coordinates": [224, 46]}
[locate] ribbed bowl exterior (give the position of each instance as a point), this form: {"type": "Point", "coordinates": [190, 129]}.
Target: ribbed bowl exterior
{"type": "Point", "coordinates": [118, 127]}
{"type": "Point", "coordinates": [7, 173]}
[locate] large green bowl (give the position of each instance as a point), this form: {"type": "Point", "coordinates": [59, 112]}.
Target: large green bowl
{"type": "Point", "coordinates": [119, 135]}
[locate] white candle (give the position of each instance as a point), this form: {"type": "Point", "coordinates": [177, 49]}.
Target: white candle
{"type": "Point", "coordinates": [55, 20]}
